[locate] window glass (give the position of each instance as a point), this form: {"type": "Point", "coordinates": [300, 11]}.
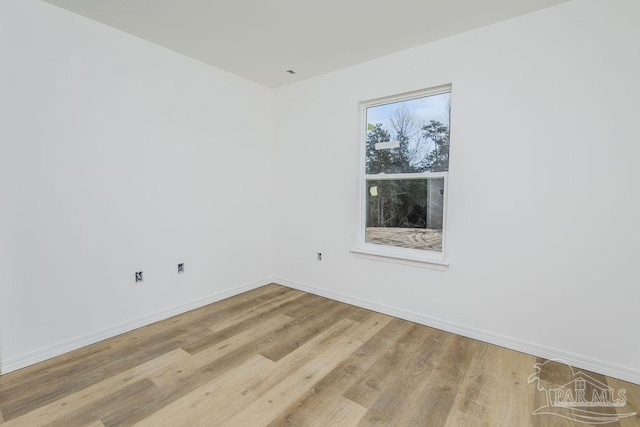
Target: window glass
{"type": "Point", "coordinates": [406, 164]}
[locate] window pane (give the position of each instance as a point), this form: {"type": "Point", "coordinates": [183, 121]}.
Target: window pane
{"type": "Point", "coordinates": [409, 136]}
{"type": "Point", "coordinates": [405, 213]}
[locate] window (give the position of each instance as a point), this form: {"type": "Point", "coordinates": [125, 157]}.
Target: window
{"type": "Point", "coordinates": [404, 169]}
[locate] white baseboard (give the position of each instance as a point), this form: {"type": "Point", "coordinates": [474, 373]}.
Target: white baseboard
{"type": "Point", "coordinates": [537, 350]}
{"type": "Point", "coordinates": [20, 362]}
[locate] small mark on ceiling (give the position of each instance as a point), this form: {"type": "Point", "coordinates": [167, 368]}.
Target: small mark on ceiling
{"type": "Point", "coordinates": [291, 72]}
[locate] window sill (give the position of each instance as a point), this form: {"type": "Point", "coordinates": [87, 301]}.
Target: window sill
{"type": "Point", "coordinates": [401, 257]}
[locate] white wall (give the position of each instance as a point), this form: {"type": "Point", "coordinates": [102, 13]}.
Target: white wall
{"type": "Point", "coordinates": [543, 198]}
{"type": "Point", "coordinates": [118, 155]}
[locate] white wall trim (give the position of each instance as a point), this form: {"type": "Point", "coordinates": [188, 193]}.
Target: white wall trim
{"type": "Point", "coordinates": [25, 360]}
{"type": "Point", "coordinates": [537, 350]}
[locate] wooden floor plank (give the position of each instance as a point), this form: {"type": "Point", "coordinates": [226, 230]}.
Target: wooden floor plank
{"type": "Point", "coordinates": [245, 391]}
{"type": "Point", "coordinates": [117, 408]}
{"type": "Point", "coordinates": [240, 392]}
{"type": "Point", "coordinates": [249, 323]}
{"type": "Point", "coordinates": [510, 394]}
{"type": "Point", "coordinates": [333, 385]}
{"type": "Point", "coordinates": [493, 391]}
{"type": "Point", "coordinates": [292, 387]}
{"type": "Point", "coordinates": [442, 384]}
{"type": "Point", "coordinates": [89, 395]}
{"type": "Point", "coordinates": [475, 391]}
{"type": "Point", "coordinates": [19, 399]}
{"type": "Point", "coordinates": [206, 405]}
{"type": "Point", "coordinates": [353, 331]}
{"type": "Point", "coordinates": [335, 411]}
{"type": "Point", "coordinates": [277, 356]}
{"type": "Point", "coordinates": [293, 361]}
{"type": "Point", "coordinates": [372, 383]}
{"type": "Point", "coordinates": [168, 377]}
{"type": "Point", "coordinates": [433, 364]}
{"type": "Point", "coordinates": [233, 358]}
{"type": "Point", "coordinates": [300, 333]}
{"type": "Point", "coordinates": [206, 366]}
{"type": "Point", "coordinates": [227, 321]}
{"type": "Point", "coordinates": [308, 303]}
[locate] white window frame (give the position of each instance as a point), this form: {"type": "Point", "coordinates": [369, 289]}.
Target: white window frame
{"type": "Point", "coordinates": [415, 257]}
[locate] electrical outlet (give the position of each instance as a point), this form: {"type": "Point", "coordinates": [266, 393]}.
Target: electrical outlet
{"type": "Point", "coordinates": [138, 276]}
{"type": "Point", "coordinates": [181, 268]}
{"type": "Point", "coordinates": [319, 256]}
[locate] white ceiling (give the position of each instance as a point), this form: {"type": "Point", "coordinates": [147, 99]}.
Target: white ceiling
{"type": "Point", "coordinates": [261, 39]}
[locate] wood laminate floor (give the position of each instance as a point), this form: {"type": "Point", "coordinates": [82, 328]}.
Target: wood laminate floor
{"type": "Point", "coordinates": [277, 356]}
